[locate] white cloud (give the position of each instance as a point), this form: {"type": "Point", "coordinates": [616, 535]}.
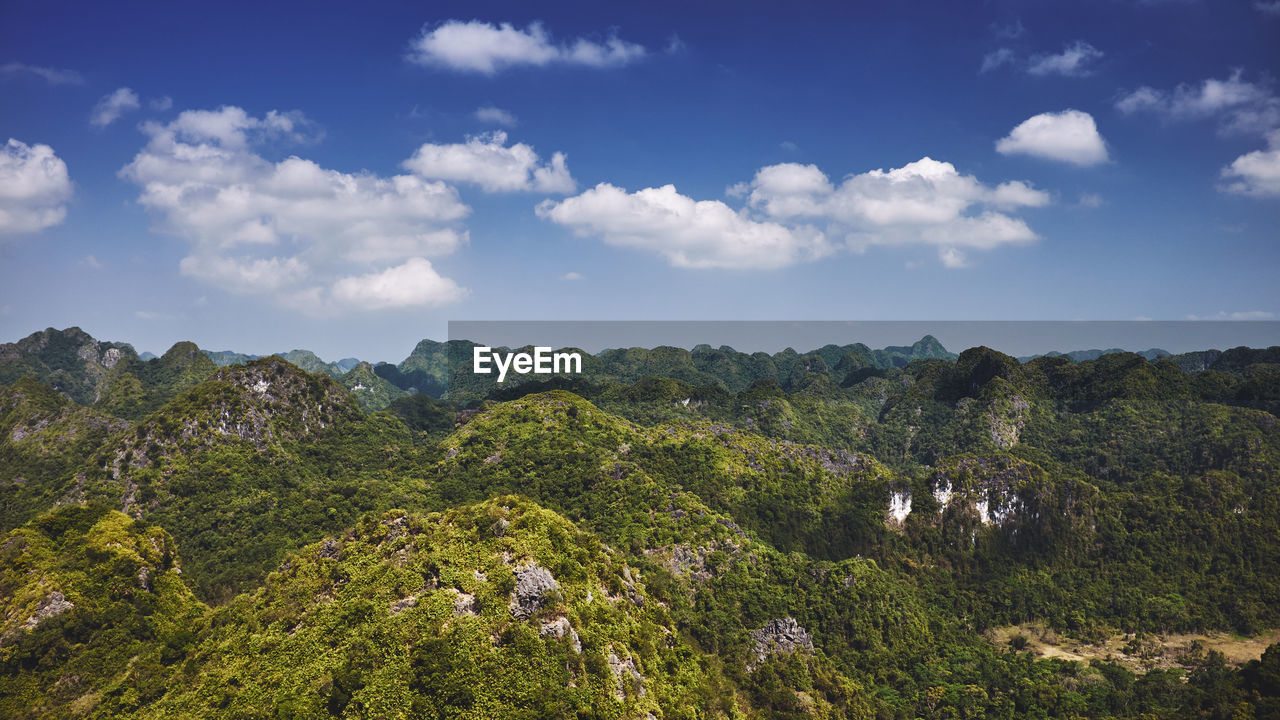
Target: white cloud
{"type": "Point", "coordinates": [112, 106]}
{"type": "Point", "coordinates": [486, 161]}
{"type": "Point", "coordinates": [1269, 8]}
{"type": "Point", "coordinates": [1256, 173]}
{"type": "Point", "coordinates": [91, 262]}
{"type": "Point", "coordinates": [1091, 200]}
{"type": "Point", "coordinates": [52, 76]}
{"type": "Point", "coordinates": [1069, 136]}
{"type": "Point", "coordinates": [996, 58]}
{"type": "Point", "coordinates": [571, 276]}
{"type": "Point", "coordinates": [496, 116]}
{"type": "Point", "coordinates": [477, 46]}
{"type": "Point", "coordinates": [952, 258]}
{"type": "Point", "coordinates": [925, 192]}
{"type": "Point", "coordinates": [288, 229]}
{"type": "Point", "coordinates": [1240, 106]}
{"type": "Point", "coordinates": [795, 213]}
{"type": "Point", "coordinates": [1073, 61]}
{"type": "Point", "coordinates": [688, 233]}
{"type": "Point", "coordinates": [1241, 315]}
{"type": "Point", "coordinates": [924, 202]}
{"type": "Point", "coordinates": [34, 188]}
{"type": "Point", "coordinates": [245, 276]}
{"type": "Point", "coordinates": [161, 104]}
{"type": "Point", "coordinates": [1016, 193]}
{"type": "Point", "coordinates": [412, 284]}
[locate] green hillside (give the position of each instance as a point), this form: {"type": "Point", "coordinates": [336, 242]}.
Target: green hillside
{"type": "Point", "coordinates": [845, 533]}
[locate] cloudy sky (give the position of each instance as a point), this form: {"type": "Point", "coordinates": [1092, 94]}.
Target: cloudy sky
{"type": "Point", "coordinates": [265, 176]}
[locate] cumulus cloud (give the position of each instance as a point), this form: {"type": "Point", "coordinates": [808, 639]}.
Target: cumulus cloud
{"type": "Point", "coordinates": [412, 284]}
{"type": "Point", "coordinates": [795, 213]}
{"type": "Point", "coordinates": [161, 104]}
{"type": "Point", "coordinates": [496, 116]}
{"type": "Point", "coordinates": [288, 229]}
{"type": "Point", "coordinates": [53, 76]}
{"type": "Point", "coordinates": [1073, 61]}
{"type": "Point", "coordinates": [1069, 136]}
{"type": "Point", "coordinates": [481, 47]}
{"type": "Point", "coordinates": [922, 193]}
{"type": "Point", "coordinates": [1270, 8]}
{"type": "Point", "coordinates": [1256, 173]}
{"type": "Point", "coordinates": [1241, 107]}
{"type": "Point", "coordinates": [112, 106]}
{"type": "Point", "coordinates": [688, 233]}
{"type": "Point", "coordinates": [486, 161]}
{"type": "Point", "coordinates": [34, 188]}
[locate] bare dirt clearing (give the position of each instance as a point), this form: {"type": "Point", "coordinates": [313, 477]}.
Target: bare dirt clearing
{"type": "Point", "coordinates": [1139, 653]}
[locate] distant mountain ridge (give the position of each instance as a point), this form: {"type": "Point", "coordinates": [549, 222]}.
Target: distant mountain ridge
{"type": "Point", "coordinates": [1094, 354]}
{"type": "Point", "coordinates": [113, 377]}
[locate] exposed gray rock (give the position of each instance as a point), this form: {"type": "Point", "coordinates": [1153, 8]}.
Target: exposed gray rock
{"type": "Point", "coordinates": [560, 629]}
{"type": "Point", "coordinates": [1007, 422]}
{"type": "Point", "coordinates": [533, 584]}
{"type": "Point", "coordinates": [464, 604]}
{"type": "Point", "coordinates": [50, 605]}
{"type": "Point", "coordinates": [624, 674]}
{"type": "Point", "coordinates": [403, 604]}
{"type": "Point", "coordinates": [783, 635]}
{"type": "Point", "coordinates": [330, 549]}
{"type": "Point", "coordinates": [144, 578]}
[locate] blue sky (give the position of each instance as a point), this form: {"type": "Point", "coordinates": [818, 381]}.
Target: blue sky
{"type": "Point", "coordinates": [264, 176]}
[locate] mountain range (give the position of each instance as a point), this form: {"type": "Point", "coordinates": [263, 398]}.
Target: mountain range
{"type": "Point", "coordinates": [841, 534]}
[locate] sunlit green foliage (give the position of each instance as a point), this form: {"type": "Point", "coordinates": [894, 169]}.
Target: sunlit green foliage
{"type": "Point", "coordinates": [681, 500]}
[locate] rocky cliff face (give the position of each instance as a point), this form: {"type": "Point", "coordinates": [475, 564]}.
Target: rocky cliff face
{"type": "Point", "coordinates": [262, 403]}
{"type": "Point", "coordinates": [70, 361]}
{"type": "Point", "coordinates": [781, 635]}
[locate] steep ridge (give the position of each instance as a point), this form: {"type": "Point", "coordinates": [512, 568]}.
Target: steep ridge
{"type": "Point", "coordinates": [44, 440]}
{"type": "Point", "coordinates": [372, 391]}
{"type": "Point", "coordinates": [256, 460]}
{"type": "Point", "coordinates": [93, 615]}
{"type": "Point", "coordinates": [70, 361]}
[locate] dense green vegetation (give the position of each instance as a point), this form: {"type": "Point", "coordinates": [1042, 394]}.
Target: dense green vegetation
{"type": "Point", "coordinates": [679, 534]}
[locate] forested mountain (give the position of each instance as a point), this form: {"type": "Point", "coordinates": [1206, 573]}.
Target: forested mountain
{"type": "Point", "coordinates": [844, 533]}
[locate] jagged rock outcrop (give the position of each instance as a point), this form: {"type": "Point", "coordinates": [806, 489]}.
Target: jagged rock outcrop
{"type": "Point", "coordinates": [561, 628]}
{"type": "Point", "coordinates": [625, 676]}
{"type": "Point", "coordinates": [50, 605]}
{"type": "Point", "coordinates": [464, 604]}
{"type": "Point", "coordinates": [70, 361]}
{"type": "Point", "coordinates": [262, 403]}
{"type": "Point", "coordinates": [781, 635]}
{"type": "Point", "coordinates": [899, 507]}
{"type": "Point", "coordinates": [330, 549]}
{"type": "Point", "coordinates": [533, 585]}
